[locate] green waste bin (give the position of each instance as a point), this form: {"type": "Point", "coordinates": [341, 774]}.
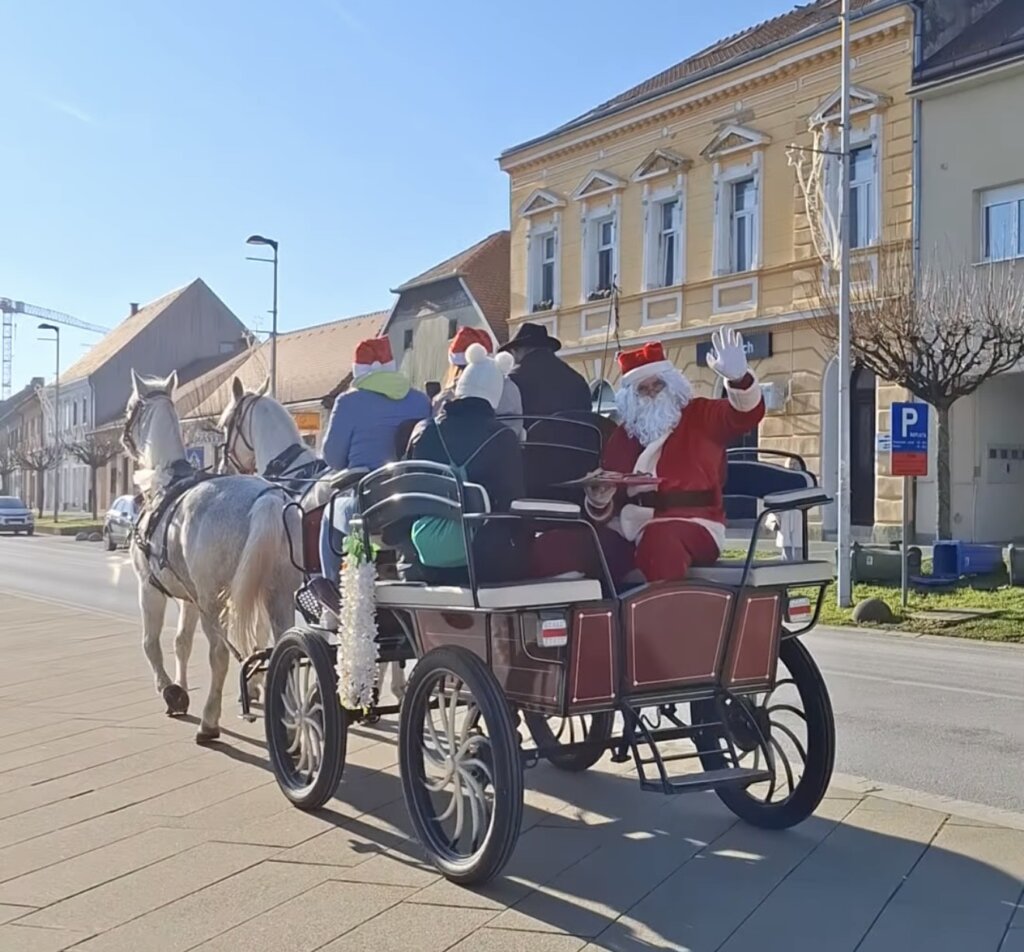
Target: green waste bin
{"type": "Point", "coordinates": [884, 565]}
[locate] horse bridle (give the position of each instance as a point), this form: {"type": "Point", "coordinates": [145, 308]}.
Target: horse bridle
{"type": "Point", "coordinates": [136, 411]}
{"type": "Point", "coordinates": [234, 429]}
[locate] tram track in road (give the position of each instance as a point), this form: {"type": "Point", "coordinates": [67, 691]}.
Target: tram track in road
{"type": "Point", "coordinates": [938, 715]}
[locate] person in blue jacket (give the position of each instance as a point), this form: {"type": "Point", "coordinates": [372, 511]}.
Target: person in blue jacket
{"type": "Point", "coordinates": [363, 430]}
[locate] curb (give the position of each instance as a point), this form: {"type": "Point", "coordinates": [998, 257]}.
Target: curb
{"type": "Point", "coordinates": [979, 813]}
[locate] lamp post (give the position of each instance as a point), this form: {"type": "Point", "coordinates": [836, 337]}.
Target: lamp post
{"type": "Point", "coordinates": [56, 417]}
{"type": "Point", "coordinates": [844, 588]}
{"type": "Point", "coordinates": [272, 244]}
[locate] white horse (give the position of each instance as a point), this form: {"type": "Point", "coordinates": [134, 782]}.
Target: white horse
{"type": "Point", "coordinates": [260, 436]}
{"type": "Point", "coordinates": [220, 548]}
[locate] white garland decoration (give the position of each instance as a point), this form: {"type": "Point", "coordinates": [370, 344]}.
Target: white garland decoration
{"type": "Point", "coordinates": [356, 665]}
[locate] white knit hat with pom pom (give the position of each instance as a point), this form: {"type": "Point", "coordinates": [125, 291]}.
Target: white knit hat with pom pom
{"type": "Point", "coordinates": [484, 375]}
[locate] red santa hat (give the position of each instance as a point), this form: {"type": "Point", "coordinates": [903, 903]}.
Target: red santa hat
{"type": "Point", "coordinates": [371, 355]}
{"type": "Point", "coordinates": [643, 363]}
{"type": "Point", "coordinates": [460, 344]}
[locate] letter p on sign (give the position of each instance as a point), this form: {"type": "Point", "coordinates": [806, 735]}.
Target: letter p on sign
{"type": "Point", "coordinates": [908, 421]}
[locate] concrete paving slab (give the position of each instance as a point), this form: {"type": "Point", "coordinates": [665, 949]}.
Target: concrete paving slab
{"type": "Point", "coordinates": [9, 913]}
{"type": "Point", "coordinates": [500, 940]}
{"type": "Point", "coordinates": [837, 892]}
{"type": "Point", "coordinates": [18, 938]}
{"type": "Point", "coordinates": [979, 875]}
{"type": "Point", "coordinates": [703, 902]}
{"type": "Point", "coordinates": [131, 896]}
{"type": "Point", "coordinates": [76, 875]}
{"type": "Point", "coordinates": [207, 913]}
{"type": "Point", "coordinates": [426, 929]}
{"type": "Point", "coordinates": [311, 920]}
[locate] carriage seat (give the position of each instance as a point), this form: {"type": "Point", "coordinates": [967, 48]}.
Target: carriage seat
{"type": "Point", "coordinates": [329, 483]}
{"type": "Point", "coordinates": [765, 573]}
{"type": "Point", "coordinates": [515, 595]}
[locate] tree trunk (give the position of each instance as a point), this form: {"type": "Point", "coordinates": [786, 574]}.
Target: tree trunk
{"type": "Point", "coordinates": [40, 492]}
{"type": "Point", "coordinates": [943, 487]}
{"type": "Point", "coordinates": [92, 490]}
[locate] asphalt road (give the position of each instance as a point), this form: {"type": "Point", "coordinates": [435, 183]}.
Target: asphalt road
{"type": "Point", "coordinates": [939, 715]}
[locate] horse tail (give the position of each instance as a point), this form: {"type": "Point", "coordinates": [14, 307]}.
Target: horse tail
{"type": "Point", "coordinates": [266, 549]}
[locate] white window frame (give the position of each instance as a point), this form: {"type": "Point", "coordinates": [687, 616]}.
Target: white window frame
{"type": "Point", "coordinates": [591, 221]}
{"type": "Point", "coordinates": [1012, 195]}
{"type": "Point", "coordinates": [653, 202]}
{"type": "Point", "coordinates": [536, 237]}
{"type": "Point", "coordinates": [725, 179]}
{"type": "Point", "coordinates": [859, 138]}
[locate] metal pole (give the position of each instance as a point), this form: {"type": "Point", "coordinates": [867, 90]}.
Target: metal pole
{"type": "Point", "coordinates": [904, 568]}
{"type": "Point", "coordinates": [273, 335]}
{"type": "Point", "coordinates": [844, 586]}
{"type": "Point", "coordinates": [56, 430]}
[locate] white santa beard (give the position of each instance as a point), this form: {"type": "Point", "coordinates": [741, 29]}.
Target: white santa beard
{"type": "Point", "coordinates": [648, 419]}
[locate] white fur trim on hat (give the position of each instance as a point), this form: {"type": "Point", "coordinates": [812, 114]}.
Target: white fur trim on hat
{"type": "Point", "coordinates": [459, 360]}
{"type": "Point", "coordinates": [644, 372]}
{"type": "Point", "coordinates": [361, 370]}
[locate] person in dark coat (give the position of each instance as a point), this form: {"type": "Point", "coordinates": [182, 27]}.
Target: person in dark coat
{"type": "Point", "coordinates": [468, 436]}
{"type": "Point", "coordinates": [546, 383]}
{"type": "Point", "coordinates": [550, 387]}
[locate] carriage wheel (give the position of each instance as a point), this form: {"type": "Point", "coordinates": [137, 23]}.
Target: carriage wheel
{"type": "Point", "coordinates": [552, 731]}
{"type": "Point", "coordinates": [796, 720]}
{"type": "Point", "coordinates": [461, 772]}
{"type": "Point", "coordinates": [306, 728]}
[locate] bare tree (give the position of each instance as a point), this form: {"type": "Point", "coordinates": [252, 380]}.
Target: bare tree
{"type": "Point", "coordinates": [39, 460]}
{"type": "Point", "coordinates": [940, 334]}
{"type": "Point", "coordinates": [7, 466]}
{"type": "Point", "coordinates": [96, 450]}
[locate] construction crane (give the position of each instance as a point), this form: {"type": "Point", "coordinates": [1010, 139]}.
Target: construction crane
{"type": "Point", "coordinates": [9, 309]}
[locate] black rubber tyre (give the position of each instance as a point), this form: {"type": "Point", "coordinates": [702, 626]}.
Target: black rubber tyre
{"type": "Point", "coordinates": [30, 532]}
{"type": "Point", "coordinates": [478, 763]}
{"type": "Point", "coordinates": [819, 748]}
{"type": "Point", "coordinates": [594, 727]}
{"type": "Point", "coordinates": [108, 541]}
{"type": "Point", "coordinates": [307, 747]}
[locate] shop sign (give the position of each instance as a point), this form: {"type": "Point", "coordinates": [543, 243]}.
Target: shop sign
{"type": "Point", "coordinates": [757, 346]}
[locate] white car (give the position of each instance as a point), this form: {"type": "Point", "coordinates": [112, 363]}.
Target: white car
{"type": "Point", "coordinates": [15, 516]}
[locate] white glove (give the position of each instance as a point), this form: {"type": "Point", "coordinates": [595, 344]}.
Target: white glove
{"type": "Point", "coordinates": [727, 358]}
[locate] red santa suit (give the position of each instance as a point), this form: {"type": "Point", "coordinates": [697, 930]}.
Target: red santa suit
{"type": "Point", "coordinates": [681, 522]}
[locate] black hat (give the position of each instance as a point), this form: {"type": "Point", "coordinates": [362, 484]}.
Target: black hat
{"type": "Point", "coordinates": [533, 335]}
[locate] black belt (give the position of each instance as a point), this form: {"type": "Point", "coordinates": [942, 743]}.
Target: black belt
{"type": "Point", "coordinates": [683, 499]}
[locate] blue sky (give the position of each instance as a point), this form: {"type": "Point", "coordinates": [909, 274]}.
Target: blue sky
{"type": "Point", "coordinates": [143, 142]}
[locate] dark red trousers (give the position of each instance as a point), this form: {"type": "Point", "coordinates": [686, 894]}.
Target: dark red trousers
{"type": "Point", "coordinates": [665, 552]}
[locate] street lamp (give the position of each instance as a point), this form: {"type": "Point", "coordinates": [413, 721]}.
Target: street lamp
{"type": "Point", "coordinates": [56, 416]}
{"type": "Point", "coordinates": [272, 244]}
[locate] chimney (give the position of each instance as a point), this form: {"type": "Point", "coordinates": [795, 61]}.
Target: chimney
{"type": "Point", "coordinates": [37, 382]}
{"type": "Point", "coordinates": [135, 308]}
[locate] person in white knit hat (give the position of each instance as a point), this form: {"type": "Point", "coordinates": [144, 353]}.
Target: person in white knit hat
{"type": "Point", "coordinates": [468, 436]}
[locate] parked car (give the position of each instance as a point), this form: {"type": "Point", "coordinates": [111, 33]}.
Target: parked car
{"type": "Point", "coordinates": [15, 516]}
{"type": "Point", "coordinates": [118, 522]}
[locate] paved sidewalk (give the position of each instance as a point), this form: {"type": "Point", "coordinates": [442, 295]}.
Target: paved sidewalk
{"type": "Point", "coordinates": [118, 834]}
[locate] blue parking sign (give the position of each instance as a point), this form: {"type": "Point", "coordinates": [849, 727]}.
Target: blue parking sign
{"type": "Point", "coordinates": [909, 428]}
{"type": "Point", "coordinates": [196, 455]}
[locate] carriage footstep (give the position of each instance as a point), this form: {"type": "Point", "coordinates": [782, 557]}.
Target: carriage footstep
{"type": "Point", "coordinates": [176, 699]}
{"type": "Point", "coordinates": [204, 736]}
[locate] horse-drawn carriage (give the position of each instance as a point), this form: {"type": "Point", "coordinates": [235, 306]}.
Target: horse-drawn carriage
{"type": "Point", "coordinates": [674, 676]}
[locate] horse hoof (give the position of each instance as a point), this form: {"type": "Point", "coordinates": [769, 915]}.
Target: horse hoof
{"type": "Point", "coordinates": [207, 735]}
{"type": "Point", "coordinates": [176, 699]}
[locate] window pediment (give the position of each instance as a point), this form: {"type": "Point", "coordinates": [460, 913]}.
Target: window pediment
{"type": "Point", "coordinates": [861, 100]}
{"type": "Point", "coordinates": [598, 183]}
{"type": "Point", "coordinates": [660, 162]}
{"type": "Point", "coordinates": [734, 138]}
{"type": "Point", "coordinates": [539, 201]}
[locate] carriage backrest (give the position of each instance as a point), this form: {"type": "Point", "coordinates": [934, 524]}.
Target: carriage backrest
{"type": "Point", "coordinates": [558, 449]}
{"type": "Point", "coordinates": [750, 478]}
{"type": "Point", "coordinates": [397, 494]}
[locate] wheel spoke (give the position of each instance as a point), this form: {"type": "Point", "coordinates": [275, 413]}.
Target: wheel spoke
{"type": "Point", "coordinates": [796, 742]}
{"type": "Point", "coordinates": [785, 764]}
{"type": "Point", "coordinates": [786, 707]}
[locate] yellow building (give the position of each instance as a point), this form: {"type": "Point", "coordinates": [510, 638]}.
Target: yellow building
{"type": "Point", "coordinates": [680, 192]}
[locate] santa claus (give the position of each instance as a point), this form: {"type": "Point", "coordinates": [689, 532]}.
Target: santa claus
{"type": "Point", "coordinates": [681, 439]}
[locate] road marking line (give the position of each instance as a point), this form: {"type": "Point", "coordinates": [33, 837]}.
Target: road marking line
{"type": "Point", "coordinates": [907, 682]}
